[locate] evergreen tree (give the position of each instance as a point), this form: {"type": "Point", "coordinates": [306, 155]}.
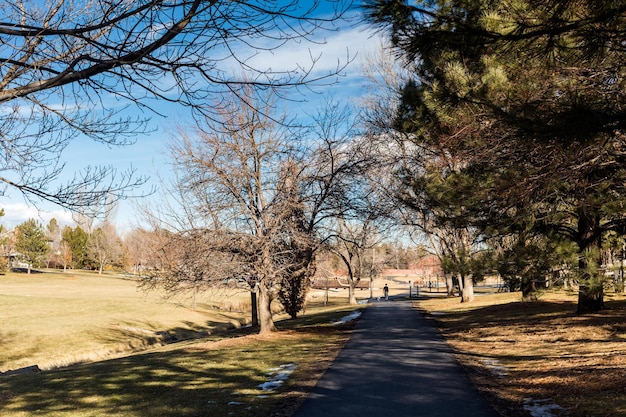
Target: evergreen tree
{"type": "Point", "coordinates": [530, 98]}
{"type": "Point", "coordinates": [77, 240]}
{"type": "Point", "coordinates": [31, 242]}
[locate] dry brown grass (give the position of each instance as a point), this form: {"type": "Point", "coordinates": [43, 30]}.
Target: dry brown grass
{"type": "Point", "coordinates": [518, 351]}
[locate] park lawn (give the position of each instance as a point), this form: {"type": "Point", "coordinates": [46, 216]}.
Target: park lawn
{"type": "Point", "coordinates": [213, 377]}
{"type": "Point", "coordinates": [539, 356]}
{"type": "Point", "coordinates": [56, 319]}
{"type": "Point", "coordinates": [123, 365]}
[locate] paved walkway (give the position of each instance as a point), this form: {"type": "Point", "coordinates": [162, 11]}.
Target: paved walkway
{"type": "Point", "coordinates": [395, 364]}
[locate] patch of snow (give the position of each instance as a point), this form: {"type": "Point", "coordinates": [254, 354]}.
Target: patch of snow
{"type": "Point", "coordinates": [235, 403]}
{"type": "Point", "coordinates": [540, 408]}
{"type": "Point", "coordinates": [352, 316]}
{"type": "Point", "coordinates": [495, 367]}
{"type": "Point", "coordinates": [278, 377]}
{"type": "Point", "coordinates": [270, 385]}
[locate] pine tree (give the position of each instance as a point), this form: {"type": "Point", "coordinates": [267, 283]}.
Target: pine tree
{"type": "Point", "coordinates": [530, 98]}
{"type": "Point", "coordinates": [31, 242]}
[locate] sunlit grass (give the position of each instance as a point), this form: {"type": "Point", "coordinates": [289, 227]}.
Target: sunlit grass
{"type": "Point", "coordinates": [54, 319]}
{"type": "Point", "coordinates": [211, 377]}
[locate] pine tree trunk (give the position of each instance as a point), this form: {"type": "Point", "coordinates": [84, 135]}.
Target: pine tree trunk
{"type": "Point", "coordinates": [529, 291]}
{"type": "Point", "coordinates": [590, 299]}
{"type": "Point", "coordinates": [590, 294]}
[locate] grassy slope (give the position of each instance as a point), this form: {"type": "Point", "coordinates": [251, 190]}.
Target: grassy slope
{"type": "Point", "coordinates": [202, 378]}
{"type": "Point", "coordinates": [55, 319]}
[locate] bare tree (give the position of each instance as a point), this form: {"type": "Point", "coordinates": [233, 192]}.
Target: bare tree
{"type": "Point", "coordinates": [238, 182]}
{"type": "Point", "coordinates": [65, 253]}
{"type": "Point", "coordinates": [67, 66]}
{"type": "Point", "coordinates": [351, 243]}
{"type": "Point", "coordinates": [359, 225]}
{"type": "Point", "coordinates": [141, 247]}
{"type": "Point", "coordinates": [105, 245]}
{"type": "Point", "coordinates": [255, 197]}
{"type": "Point", "coordinates": [53, 234]}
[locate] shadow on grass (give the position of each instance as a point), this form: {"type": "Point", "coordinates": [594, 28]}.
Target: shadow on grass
{"type": "Point", "coordinates": [532, 312]}
{"type": "Point", "coordinates": [544, 350]}
{"type": "Point", "coordinates": [11, 338]}
{"type": "Point", "coordinates": [138, 336]}
{"type": "Point", "coordinates": [191, 379]}
{"type": "Point", "coordinates": [146, 334]}
{"type": "Point", "coordinates": [305, 321]}
{"type": "Point", "coordinates": [177, 383]}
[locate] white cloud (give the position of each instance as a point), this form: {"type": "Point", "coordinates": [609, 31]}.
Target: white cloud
{"type": "Point", "coordinates": [18, 213]}
{"type": "Point", "coordinates": [326, 55]}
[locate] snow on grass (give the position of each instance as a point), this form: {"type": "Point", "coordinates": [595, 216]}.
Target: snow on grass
{"type": "Point", "coordinates": [495, 367]}
{"type": "Point", "coordinates": [278, 377]}
{"type": "Point", "coordinates": [540, 408]}
{"type": "Point", "coordinates": [352, 316]}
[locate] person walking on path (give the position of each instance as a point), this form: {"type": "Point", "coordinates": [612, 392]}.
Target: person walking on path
{"type": "Point", "coordinates": [395, 364]}
{"type": "Point", "coordinates": [386, 292]}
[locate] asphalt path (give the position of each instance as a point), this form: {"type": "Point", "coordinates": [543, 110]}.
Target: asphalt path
{"type": "Point", "coordinates": [395, 364]}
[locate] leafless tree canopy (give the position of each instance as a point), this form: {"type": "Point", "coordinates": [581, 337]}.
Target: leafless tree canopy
{"type": "Point", "coordinates": [239, 182]}
{"type": "Point", "coordinates": [72, 68]}
{"type": "Point", "coordinates": [254, 197]}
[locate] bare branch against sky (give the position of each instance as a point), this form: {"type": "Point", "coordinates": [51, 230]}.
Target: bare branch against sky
{"type": "Point", "coordinates": [95, 71]}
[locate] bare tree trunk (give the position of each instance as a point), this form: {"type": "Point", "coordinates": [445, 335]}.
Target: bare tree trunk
{"type": "Point", "coordinates": [460, 283]}
{"type": "Point", "coordinates": [352, 292]}
{"type": "Point", "coordinates": [449, 285]}
{"type": "Point", "coordinates": [266, 322]}
{"type": "Point", "coordinates": [467, 293]}
{"type": "Point", "coordinates": [254, 305]}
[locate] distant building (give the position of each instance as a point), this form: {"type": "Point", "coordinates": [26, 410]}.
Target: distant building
{"type": "Point", "coordinates": [427, 268]}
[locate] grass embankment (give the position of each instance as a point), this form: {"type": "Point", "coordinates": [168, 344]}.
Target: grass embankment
{"type": "Point", "coordinates": [215, 375]}
{"type": "Point", "coordinates": [55, 319]}
{"type": "Point", "coordinates": [540, 356]}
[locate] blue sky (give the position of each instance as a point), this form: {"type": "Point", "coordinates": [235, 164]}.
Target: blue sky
{"type": "Point", "coordinates": [148, 156]}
